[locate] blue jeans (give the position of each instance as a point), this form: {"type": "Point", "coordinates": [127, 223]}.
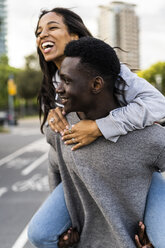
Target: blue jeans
{"type": "Point", "coordinates": [50, 221]}
{"type": "Point", "coordinates": [154, 218]}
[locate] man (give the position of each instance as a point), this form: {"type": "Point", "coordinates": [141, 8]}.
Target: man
{"type": "Point", "coordinates": [105, 184]}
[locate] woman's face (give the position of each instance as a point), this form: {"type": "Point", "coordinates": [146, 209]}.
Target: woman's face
{"type": "Point", "coordinates": [52, 37]}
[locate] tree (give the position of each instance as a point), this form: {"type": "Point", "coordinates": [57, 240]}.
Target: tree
{"type": "Point", "coordinates": [155, 74]}
{"type": "Point", "coordinates": [29, 81]}
{"type": "Point", "coordinates": [5, 72]}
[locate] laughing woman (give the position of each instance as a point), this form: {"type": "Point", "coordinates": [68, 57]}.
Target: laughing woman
{"type": "Point", "coordinates": [141, 105]}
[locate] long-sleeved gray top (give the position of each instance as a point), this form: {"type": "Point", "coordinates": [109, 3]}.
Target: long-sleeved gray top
{"type": "Point", "coordinates": [106, 184]}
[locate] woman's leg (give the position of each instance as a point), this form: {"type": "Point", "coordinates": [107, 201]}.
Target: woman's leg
{"type": "Point", "coordinates": [50, 221]}
{"type": "Point", "coordinates": [154, 218]}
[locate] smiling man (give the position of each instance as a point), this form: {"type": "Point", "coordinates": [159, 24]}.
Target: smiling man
{"type": "Point", "coordinates": [82, 88]}
{"type": "Point", "coordinates": [105, 184]}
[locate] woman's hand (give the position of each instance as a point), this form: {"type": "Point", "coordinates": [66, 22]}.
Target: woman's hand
{"type": "Point", "coordinates": [82, 133]}
{"type": "Point", "coordinates": [141, 239]}
{"type": "Point", "coordinates": [57, 121]}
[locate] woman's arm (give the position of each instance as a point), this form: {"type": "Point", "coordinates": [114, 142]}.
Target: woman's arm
{"type": "Point", "coordinates": [145, 106]}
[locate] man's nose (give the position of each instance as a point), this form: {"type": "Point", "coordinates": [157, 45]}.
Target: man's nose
{"type": "Point", "coordinates": [60, 88]}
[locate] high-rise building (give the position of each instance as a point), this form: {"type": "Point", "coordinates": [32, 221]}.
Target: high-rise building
{"type": "Point", "coordinates": [118, 25]}
{"type": "Point", "coordinates": [3, 27]}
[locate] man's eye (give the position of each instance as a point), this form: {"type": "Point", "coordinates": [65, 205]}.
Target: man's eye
{"type": "Point", "coordinates": [66, 81]}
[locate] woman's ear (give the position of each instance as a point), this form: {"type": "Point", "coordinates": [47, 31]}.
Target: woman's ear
{"type": "Point", "coordinates": [74, 37]}
{"type": "Point", "coordinates": [97, 84]}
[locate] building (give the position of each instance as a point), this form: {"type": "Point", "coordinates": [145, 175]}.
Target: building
{"type": "Point", "coordinates": [3, 27]}
{"type": "Point", "coordinates": [118, 25]}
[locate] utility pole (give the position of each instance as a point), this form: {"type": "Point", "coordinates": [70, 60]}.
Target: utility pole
{"type": "Point", "coordinates": [12, 91]}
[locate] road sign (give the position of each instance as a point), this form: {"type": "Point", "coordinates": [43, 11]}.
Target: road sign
{"type": "Point", "coordinates": [12, 89]}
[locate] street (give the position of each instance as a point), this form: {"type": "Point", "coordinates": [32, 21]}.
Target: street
{"type": "Point", "coordinates": [23, 181]}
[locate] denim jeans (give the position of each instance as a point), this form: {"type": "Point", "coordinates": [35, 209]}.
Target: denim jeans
{"type": "Point", "coordinates": [50, 221]}
{"type": "Point", "coordinates": [154, 218]}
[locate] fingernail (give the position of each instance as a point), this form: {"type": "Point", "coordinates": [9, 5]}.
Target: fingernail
{"type": "Point", "coordinates": [56, 131]}
{"type": "Point", "coordinates": [65, 237]}
{"type": "Point", "coordinates": [67, 127]}
{"type": "Point", "coordinates": [62, 133]}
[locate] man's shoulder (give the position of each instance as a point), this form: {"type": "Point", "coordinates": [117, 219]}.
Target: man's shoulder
{"type": "Point", "coordinates": [154, 134]}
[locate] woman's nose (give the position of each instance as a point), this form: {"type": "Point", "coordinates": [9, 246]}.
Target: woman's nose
{"type": "Point", "coordinates": [44, 33]}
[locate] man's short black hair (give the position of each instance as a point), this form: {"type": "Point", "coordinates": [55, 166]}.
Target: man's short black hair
{"type": "Point", "coordinates": [98, 58]}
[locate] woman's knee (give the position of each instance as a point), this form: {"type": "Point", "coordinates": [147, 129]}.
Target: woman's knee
{"type": "Point", "coordinates": [39, 236]}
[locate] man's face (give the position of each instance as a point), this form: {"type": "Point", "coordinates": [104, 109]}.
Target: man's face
{"type": "Point", "coordinates": [74, 89]}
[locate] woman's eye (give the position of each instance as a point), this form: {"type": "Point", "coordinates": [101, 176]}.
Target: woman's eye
{"type": "Point", "coordinates": [38, 33]}
{"type": "Point", "coordinates": [52, 28]}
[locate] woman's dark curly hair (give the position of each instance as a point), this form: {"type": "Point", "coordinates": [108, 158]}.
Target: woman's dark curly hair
{"type": "Point", "coordinates": [46, 97]}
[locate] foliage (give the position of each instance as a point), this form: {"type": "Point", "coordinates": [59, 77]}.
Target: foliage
{"type": "Point", "coordinates": [29, 79]}
{"type": "Point", "coordinates": [31, 62]}
{"type": "Point", "coordinates": [151, 74]}
{"type": "Point", "coordinates": [28, 83]}
{"type": "Point", "coordinates": [5, 72]}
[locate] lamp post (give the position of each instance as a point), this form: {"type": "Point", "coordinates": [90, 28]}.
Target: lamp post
{"type": "Point", "coordinates": [12, 91]}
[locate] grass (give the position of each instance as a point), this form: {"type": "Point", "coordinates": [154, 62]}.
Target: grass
{"type": "Point", "coordinates": [3, 130]}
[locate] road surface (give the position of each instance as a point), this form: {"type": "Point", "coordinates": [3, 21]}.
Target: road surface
{"type": "Point", "coordinates": [23, 181]}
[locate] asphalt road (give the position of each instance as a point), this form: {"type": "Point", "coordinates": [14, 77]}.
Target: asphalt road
{"type": "Point", "coordinates": [23, 181]}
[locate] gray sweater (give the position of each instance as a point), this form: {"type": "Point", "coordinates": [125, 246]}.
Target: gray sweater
{"type": "Point", "coordinates": [106, 184]}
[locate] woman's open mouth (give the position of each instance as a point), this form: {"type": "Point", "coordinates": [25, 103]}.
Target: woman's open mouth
{"type": "Point", "coordinates": [47, 46]}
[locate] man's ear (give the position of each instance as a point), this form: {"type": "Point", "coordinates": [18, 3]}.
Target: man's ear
{"type": "Point", "coordinates": [97, 84]}
{"type": "Point", "coordinates": [74, 36]}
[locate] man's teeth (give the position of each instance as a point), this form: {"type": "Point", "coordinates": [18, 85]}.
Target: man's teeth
{"type": "Point", "coordinates": [47, 44]}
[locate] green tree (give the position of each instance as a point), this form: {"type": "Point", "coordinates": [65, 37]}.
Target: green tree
{"type": "Point", "coordinates": [29, 81]}
{"type": "Point", "coordinates": [155, 74]}
{"type": "Point", "coordinates": [5, 72]}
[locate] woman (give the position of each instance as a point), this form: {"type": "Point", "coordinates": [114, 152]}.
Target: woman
{"type": "Point", "coordinates": [54, 30]}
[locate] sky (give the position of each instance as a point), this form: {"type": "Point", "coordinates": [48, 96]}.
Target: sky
{"type": "Point", "coordinates": [23, 16]}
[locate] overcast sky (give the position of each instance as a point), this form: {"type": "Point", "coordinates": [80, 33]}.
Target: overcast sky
{"type": "Point", "coordinates": [23, 16]}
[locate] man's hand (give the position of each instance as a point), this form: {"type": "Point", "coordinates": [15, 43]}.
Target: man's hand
{"type": "Point", "coordinates": [69, 238]}
{"type": "Point", "coordinates": [57, 120]}
{"type": "Point", "coordinates": [141, 239]}
{"type": "Point", "coordinates": [83, 133]}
